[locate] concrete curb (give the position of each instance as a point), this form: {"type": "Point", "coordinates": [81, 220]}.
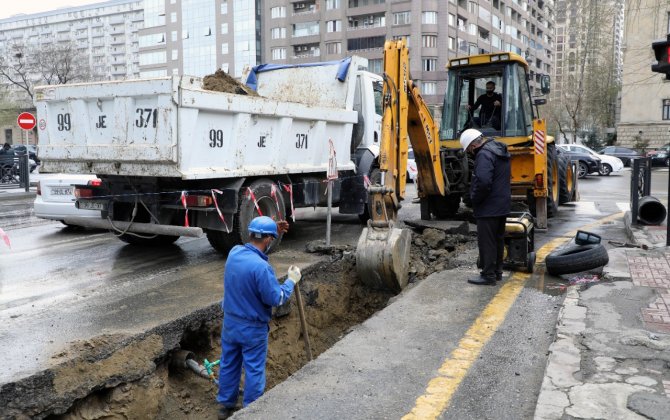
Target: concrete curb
{"type": "Point", "coordinates": [6, 195]}
{"type": "Point", "coordinates": [640, 234]}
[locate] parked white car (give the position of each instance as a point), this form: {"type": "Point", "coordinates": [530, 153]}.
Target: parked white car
{"type": "Point", "coordinates": [412, 171]}
{"type": "Point", "coordinates": [609, 163]}
{"type": "Point", "coordinates": [55, 197]}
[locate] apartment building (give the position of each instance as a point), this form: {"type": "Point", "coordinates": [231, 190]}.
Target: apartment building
{"type": "Point", "coordinates": [645, 96]}
{"type": "Point", "coordinates": [196, 37]}
{"type": "Point", "coordinates": [436, 31]}
{"type": "Point", "coordinates": [105, 33]}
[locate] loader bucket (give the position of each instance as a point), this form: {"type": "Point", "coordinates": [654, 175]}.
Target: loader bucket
{"type": "Point", "coordinates": [382, 257]}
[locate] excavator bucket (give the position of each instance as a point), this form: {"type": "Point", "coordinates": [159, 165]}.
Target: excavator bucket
{"type": "Point", "coordinates": [382, 257]}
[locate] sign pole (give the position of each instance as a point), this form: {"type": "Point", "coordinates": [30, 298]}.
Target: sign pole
{"type": "Point", "coordinates": [332, 175]}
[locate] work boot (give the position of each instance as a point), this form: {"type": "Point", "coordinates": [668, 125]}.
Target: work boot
{"type": "Point", "coordinates": [499, 277]}
{"type": "Point", "coordinates": [482, 281]}
{"type": "Point", "coordinates": [224, 412]}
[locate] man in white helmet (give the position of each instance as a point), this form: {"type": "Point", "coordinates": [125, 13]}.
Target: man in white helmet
{"type": "Point", "coordinates": [491, 195]}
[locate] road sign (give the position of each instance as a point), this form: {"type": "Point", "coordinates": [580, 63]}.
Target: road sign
{"type": "Point", "coordinates": [26, 121]}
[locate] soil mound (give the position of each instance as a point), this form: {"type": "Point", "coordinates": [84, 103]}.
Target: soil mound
{"type": "Point", "coordinates": [221, 81]}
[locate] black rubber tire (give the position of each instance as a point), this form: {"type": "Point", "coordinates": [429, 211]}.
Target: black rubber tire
{"type": "Point", "coordinates": [158, 240]}
{"type": "Point", "coordinates": [576, 259]}
{"type": "Point", "coordinates": [606, 170]}
{"type": "Point", "coordinates": [582, 170]}
{"type": "Point", "coordinates": [530, 264]}
{"type": "Point", "coordinates": [552, 198]}
{"type": "Point", "coordinates": [375, 177]}
{"type": "Point", "coordinates": [445, 207]}
{"type": "Point", "coordinates": [564, 194]}
{"type": "Point", "coordinates": [246, 211]}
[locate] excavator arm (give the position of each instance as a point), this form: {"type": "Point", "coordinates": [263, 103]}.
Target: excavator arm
{"type": "Point", "coordinates": [383, 250]}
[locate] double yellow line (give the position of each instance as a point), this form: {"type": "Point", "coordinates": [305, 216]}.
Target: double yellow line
{"type": "Point", "coordinates": [453, 370]}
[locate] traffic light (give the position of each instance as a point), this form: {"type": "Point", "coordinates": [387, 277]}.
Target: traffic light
{"type": "Point", "coordinates": [662, 53]}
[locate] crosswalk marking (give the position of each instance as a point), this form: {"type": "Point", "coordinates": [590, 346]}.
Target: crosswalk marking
{"type": "Point", "coordinates": [623, 206]}
{"type": "Point", "coordinates": [587, 208]}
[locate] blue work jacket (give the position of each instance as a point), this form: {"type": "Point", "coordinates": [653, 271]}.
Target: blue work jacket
{"type": "Point", "coordinates": [250, 287]}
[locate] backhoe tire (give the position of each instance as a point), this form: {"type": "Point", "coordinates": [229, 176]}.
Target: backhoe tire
{"type": "Point", "coordinates": [156, 241]}
{"type": "Point", "coordinates": [576, 259]}
{"type": "Point", "coordinates": [246, 212]}
{"type": "Point", "coordinates": [445, 207]}
{"type": "Point", "coordinates": [552, 181]}
{"type": "Point", "coordinates": [564, 193]}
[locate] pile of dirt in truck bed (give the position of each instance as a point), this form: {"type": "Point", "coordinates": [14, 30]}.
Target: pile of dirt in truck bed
{"type": "Point", "coordinates": [221, 81]}
{"type": "Point", "coordinates": [335, 300]}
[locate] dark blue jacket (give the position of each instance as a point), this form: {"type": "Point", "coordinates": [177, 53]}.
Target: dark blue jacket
{"type": "Point", "coordinates": [490, 189]}
{"type": "Point", "coordinates": [250, 287]}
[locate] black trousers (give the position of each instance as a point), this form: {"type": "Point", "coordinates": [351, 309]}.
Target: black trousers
{"type": "Point", "coordinates": [491, 241]}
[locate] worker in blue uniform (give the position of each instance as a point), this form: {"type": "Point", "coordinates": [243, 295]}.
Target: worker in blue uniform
{"type": "Point", "coordinates": [250, 291]}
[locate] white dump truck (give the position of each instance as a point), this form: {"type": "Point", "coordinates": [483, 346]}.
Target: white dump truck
{"type": "Point", "coordinates": [176, 160]}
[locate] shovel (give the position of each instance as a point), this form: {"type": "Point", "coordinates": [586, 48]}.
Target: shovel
{"type": "Point", "coordinates": [303, 322]}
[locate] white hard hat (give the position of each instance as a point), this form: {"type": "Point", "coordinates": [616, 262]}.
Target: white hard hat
{"type": "Point", "coordinates": [468, 136]}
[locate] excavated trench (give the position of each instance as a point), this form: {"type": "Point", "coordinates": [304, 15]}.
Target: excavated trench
{"type": "Point", "coordinates": [335, 302]}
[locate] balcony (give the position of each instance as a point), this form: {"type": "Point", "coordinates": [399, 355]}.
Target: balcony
{"type": "Point", "coordinates": [117, 30]}
{"type": "Point", "coordinates": [118, 40]}
{"type": "Point", "coordinates": [81, 35]}
{"type": "Point", "coordinates": [305, 8]}
{"type": "Point", "coordinates": [306, 51]}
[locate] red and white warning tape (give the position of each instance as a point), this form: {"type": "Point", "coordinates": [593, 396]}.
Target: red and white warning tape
{"type": "Point", "coordinates": [218, 210]}
{"type": "Point", "coordinates": [183, 203]}
{"type": "Point", "coordinates": [5, 238]}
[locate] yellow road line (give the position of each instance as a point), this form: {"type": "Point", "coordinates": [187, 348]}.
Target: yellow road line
{"type": "Point", "coordinates": [441, 388]}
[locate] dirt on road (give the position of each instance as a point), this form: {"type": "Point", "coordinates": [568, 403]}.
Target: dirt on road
{"type": "Point", "coordinates": [335, 300]}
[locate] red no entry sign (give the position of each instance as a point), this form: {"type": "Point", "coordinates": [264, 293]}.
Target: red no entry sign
{"type": "Point", "coordinates": [26, 121]}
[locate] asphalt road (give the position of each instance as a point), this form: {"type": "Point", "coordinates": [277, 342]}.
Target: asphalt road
{"type": "Point", "coordinates": [59, 285]}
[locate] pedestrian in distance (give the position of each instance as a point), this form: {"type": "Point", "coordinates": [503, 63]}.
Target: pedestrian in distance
{"type": "Point", "coordinates": [491, 195]}
{"type": "Point", "coordinates": [250, 291]}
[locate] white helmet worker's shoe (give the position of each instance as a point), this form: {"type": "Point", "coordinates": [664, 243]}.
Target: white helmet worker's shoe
{"type": "Point", "coordinates": [468, 136]}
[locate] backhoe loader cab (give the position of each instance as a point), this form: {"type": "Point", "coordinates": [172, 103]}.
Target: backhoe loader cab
{"type": "Point", "coordinates": [467, 81]}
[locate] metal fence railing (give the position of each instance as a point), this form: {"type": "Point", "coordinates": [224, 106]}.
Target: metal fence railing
{"type": "Point", "coordinates": [15, 172]}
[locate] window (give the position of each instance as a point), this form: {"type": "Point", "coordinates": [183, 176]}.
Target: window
{"type": "Point", "coordinates": [452, 19]}
{"type": "Point", "coordinates": [452, 43]}
{"type": "Point", "coordinates": [173, 17]}
{"type": "Point", "coordinates": [279, 53]}
{"type": "Point", "coordinates": [224, 48]}
{"type": "Point", "coordinates": [334, 26]}
{"type": "Point", "coordinates": [428, 88]}
{"type": "Point", "coordinates": [429, 64]}
{"type": "Point", "coordinates": [173, 36]}
{"type": "Point", "coordinates": [175, 54]}
{"type": "Point", "coordinates": [305, 29]}
{"type": "Point", "coordinates": [367, 43]}
{"type": "Point", "coordinates": [332, 4]}
{"type": "Point", "coordinates": [224, 7]}
{"type": "Point", "coordinates": [278, 33]}
{"type": "Point", "coordinates": [429, 41]}
{"type": "Point", "coordinates": [375, 65]}
{"type": "Point", "coordinates": [472, 7]}
{"type": "Point", "coordinates": [149, 58]}
{"type": "Point", "coordinates": [401, 18]}
{"type": "Point", "coordinates": [666, 109]}
{"type": "Point", "coordinates": [151, 40]}
{"type": "Point", "coordinates": [334, 48]}
{"type": "Point", "coordinates": [224, 28]}
{"type": "Point", "coordinates": [429, 18]}
{"type": "Point", "coordinates": [278, 12]}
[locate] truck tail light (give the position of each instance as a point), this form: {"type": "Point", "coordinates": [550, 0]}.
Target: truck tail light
{"type": "Point", "coordinates": [95, 182]}
{"type": "Point", "coordinates": [80, 192]}
{"type": "Point", "coordinates": [199, 200]}
{"type": "Point", "coordinates": [539, 180]}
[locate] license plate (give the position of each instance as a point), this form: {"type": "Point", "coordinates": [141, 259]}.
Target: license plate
{"type": "Point", "coordinates": [91, 205]}
{"type": "Point", "coordinates": [62, 191]}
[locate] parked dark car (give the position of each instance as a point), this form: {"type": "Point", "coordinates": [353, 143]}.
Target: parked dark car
{"type": "Point", "coordinates": [20, 149]}
{"type": "Point", "coordinates": [623, 153]}
{"type": "Point", "coordinates": [660, 156]}
{"type": "Point", "coordinates": [587, 164]}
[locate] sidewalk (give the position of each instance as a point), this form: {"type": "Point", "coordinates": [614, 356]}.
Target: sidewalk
{"type": "Point", "coordinates": [611, 354]}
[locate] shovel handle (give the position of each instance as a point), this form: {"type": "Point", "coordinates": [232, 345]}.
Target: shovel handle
{"type": "Point", "coordinates": [303, 322]}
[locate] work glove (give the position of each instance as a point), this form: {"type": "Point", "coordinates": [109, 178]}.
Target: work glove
{"type": "Point", "coordinates": [294, 274]}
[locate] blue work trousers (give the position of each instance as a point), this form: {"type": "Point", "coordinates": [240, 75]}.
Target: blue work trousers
{"type": "Point", "coordinates": [242, 343]}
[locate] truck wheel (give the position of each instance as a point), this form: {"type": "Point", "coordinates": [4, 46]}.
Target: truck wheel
{"type": "Point", "coordinates": [158, 240]}
{"type": "Point", "coordinates": [270, 205]}
{"type": "Point", "coordinates": [576, 259]}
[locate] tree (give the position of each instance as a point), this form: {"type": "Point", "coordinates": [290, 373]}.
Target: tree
{"type": "Point", "coordinates": [585, 100]}
{"type": "Point", "coordinates": [26, 65]}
